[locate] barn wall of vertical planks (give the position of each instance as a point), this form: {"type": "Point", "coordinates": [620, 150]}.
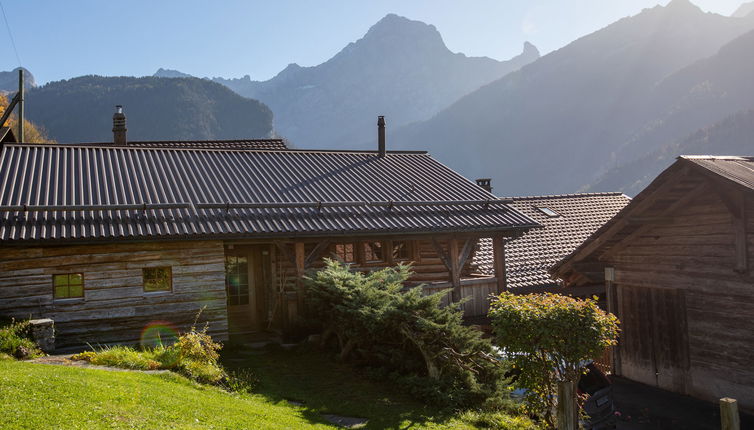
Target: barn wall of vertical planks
{"type": "Point", "coordinates": [680, 255]}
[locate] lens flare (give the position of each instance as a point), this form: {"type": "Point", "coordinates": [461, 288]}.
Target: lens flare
{"type": "Point", "coordinates": [158, 332]}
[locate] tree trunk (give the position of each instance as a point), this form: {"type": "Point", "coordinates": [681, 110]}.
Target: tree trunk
{"type": "Point", "coordinates": [432, 369]}
{"type": "Point", "coordinates": [568, 409]}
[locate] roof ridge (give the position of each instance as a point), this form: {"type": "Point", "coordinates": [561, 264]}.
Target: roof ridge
{"type": "Point", "coordinates": [147, 148]}
{"type": "Point", "coordinates": [177, 141]}
{"type": "Point", "coordinates": [718, 157]}
{"type": "Point", "coordinates": [562, 196]}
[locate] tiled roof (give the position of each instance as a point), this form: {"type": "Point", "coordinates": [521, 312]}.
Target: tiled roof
{"type": "Point", "coordinates": [254, 193]}
{"type": "Point", "coordinates": [528, 258]}
{"type": "Point", "coordinates": [269, 144]}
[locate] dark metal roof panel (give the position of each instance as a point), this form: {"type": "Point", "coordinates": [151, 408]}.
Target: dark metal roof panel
{"type": "Point", "coordinates": [528, 258]}
{"type": "Point", "coordinates": [736, 169]}
{"type": "Point", "coordinates": [265, 144]}
{"type": "Point", "coordinates": [88, 175]}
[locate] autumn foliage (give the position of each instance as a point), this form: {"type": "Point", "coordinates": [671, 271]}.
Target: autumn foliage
{"type": "Point", "coordinates": [32, 132]}
{"type": "Point", "coordinates": [549, 338]}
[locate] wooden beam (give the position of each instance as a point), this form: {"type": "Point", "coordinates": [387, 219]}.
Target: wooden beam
{"type": "Point", "coordinates": [283, 248]}
{"type": "Point", "coordinates": [735, 201]}
{"type": "Point", "coordinates": [498, 255]}
{"type": "Point", "coordinates": [316, 253]}
{"type": "Point", "coordinates": [679, 204]}
{"type": "Point", "coordinates": [612, 306]}
{"type": "Point", "coordinates": [455, 270]}
{"type": "Point", "coordinates": [442, 254]}
{"type": "Point", "coordinates": [665, 183]}
{"type": "Point", "coordinates": [300, 258]}
{"type": "Point", "coordinates": [466, 251]}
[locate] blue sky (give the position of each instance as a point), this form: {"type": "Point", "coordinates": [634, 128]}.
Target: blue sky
{"type": "Point", "coordinates": [230, 38]}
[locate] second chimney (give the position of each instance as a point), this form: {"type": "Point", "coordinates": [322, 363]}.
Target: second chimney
{"type": "Point", "coordinates": [381, 152]}
{"type": "Point", "coordinates": [119, 126]}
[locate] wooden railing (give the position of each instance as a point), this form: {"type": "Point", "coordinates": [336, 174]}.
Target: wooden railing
{"type": "Point", "coordinates": [477, 290]}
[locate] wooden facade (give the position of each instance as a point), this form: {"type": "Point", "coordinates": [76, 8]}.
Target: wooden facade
{"type": "Point", "coordinates": [114, 306]}
{"type": "Point", "coordinates": [678, 264]}
{"type": "Point", "coordinates": [265, 295]}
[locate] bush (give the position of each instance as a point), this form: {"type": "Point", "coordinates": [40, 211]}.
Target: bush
{"type": "Point", "coordinates": [549, 338]}
{"type": "Point", "coordinates": [15, 341]}
{"type": "Point", "coordinates": [193, 355]}
{"type": "Point", "coordinates": [418, 343]}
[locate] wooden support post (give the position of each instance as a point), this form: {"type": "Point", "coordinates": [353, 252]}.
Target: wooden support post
{"type": "Point", "coordinates": [300, 256]}
{"type": "Point", "coordinates": [498, 252]}
{"type": "Point", "coordinates": [612, 307]}
{"type": "Point", "coordinates": [729, 419]}
{"type": "Point", "coordinates": [455, 271]}
{"type": "Point", "coordinates": [568, 409]}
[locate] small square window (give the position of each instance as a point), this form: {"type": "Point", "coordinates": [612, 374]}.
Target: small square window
{"type": "Point", "coordinates": [401, 250]}
{"type": "Point", "coordinates": [373, 252]}
{"type": "Point", "coordinates": [68, 285]}
{"type": "Point", "coordinates": [345, 252]}
{"type": "Point", "coordinates": [157, 279]}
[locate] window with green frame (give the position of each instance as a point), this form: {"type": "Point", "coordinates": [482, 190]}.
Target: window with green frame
{"type": "Point", "coordinates": [157, 279]}
{"type": "Point", "coordinates": [68, 285]}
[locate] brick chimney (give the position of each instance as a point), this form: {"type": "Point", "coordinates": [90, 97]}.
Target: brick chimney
{"type": "Point", "coordinates": [119, 126]}
{"type": "Point", "coordinates": [381, 152]}
{"type": "Point", "coordinates": [485, 183]}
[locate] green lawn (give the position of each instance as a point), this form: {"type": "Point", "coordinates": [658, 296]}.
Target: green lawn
{"type": "Point", "coordinates": [36, 396]}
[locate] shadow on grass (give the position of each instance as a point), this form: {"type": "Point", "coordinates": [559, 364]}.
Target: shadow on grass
{"type": "Point", "coordinates": [324, 386]}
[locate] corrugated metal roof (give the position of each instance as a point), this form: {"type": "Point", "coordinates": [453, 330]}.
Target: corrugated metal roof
{"type": "Point", "coordinates": [528, 258]}
{"type": "Point", "coordinates": [270, 144]}
{"type": "Point", "coordinates": [734, 168]}
{"type": "Point", "coordinates": [89, 175]}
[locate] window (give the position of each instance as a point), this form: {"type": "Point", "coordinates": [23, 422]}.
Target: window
{"type": "Point", "coordinates": [345, 252]}
{"type": "Point", "coordinates": [68, 286]}
{"type": "Point", "coordinates": [237, 279]}
{"type": "Point", "coordinates": [373, 252]}
{"type": "Point", "coordinates": [401, 250]}
{"type": "Point", "coordinates": [157, 279]}
{"type": "Point", "coordinates": [547, 211]}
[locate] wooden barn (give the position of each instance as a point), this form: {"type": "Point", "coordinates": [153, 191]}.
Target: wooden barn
{"type": "Point", "coordinates": [111, 240]}
{"type": "Point", "coordinates": [566, 220]}
{"type": "Point", "coordinates": [678, 266]}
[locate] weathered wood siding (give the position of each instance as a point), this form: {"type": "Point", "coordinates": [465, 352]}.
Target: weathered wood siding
{"type": "Point", "coordinates": [427, 266]}
{"type": "Point", "coordinates": [706, 350]}
{"type": "Point", "coordinates": [115, 307]}
{"type": "Point", "coordinates": [476, 291]}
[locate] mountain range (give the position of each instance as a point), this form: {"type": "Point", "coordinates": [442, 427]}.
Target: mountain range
{"type": "Point", "coordinates": [561, 122]}
{"type": "Point", "coordinates": [607, 112]}
{"type": "Point", "coordinates": [400, 68]}
{"type": "Point", "coordinates": [80, 109]}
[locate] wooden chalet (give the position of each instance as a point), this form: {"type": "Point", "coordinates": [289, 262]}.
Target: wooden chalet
{"type": "Point", "coordinates": [111, 239]}
{"type": "Point", "coordinates": [566, 220]}
{"type": "Point", "coordinates": [678, 264]}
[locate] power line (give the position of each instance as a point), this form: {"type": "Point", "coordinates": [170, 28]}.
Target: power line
{"type": "Point", "coordinates": [12, 42]}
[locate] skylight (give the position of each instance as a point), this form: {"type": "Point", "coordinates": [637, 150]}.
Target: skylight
{"type": "Point", "coordinates": [547, 211]}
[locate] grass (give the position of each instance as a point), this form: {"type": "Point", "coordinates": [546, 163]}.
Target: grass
{"type": "Point", "coordinates": [38, 396]}
{"type": "Point", "coordinates": [323, 385]}
{"type": "Point", "coordinates": [46, 396]}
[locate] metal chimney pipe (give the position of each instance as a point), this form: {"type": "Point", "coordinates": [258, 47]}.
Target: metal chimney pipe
{"type": "Point", "coordinates": [381, 152]}
{"type": "Point", "coordinates": [119, 126]}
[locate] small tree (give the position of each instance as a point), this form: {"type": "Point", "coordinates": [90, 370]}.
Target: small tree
{"type": "Point", "coordinates": [548, 338]}
{"type": "Point", "coordinates": [404, 332]}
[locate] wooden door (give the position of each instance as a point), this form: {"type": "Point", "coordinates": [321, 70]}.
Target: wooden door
{"type": "Point", "coordinates": [654, 336]}
{"type": "Point", "coordinates": [247, 279]}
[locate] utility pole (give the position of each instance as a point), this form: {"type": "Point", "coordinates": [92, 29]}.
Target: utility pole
{"type": "Point", "coordinates": [18, 99]}
{"type": "Point", "coordinates": [20, 104]}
